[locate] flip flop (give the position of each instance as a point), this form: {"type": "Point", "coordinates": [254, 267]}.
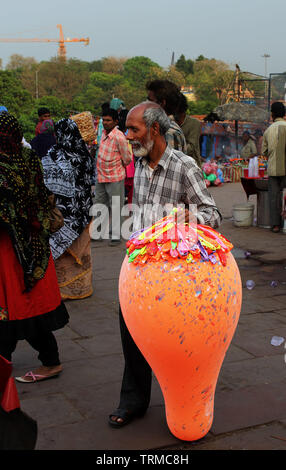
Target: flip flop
{"type": "Point", "coordinates": [275, 229]}
{"type": "Point", "coordinates": [125, 415]}
{"type": "Point", "coordinates": [35, 377]}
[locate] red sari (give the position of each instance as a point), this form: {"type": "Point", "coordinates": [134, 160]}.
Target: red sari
{"type": "Point", "coordinates": [15, 304]}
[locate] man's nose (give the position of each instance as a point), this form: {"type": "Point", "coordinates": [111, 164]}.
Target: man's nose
{"type": "Point", "coordinates": [129, 134]}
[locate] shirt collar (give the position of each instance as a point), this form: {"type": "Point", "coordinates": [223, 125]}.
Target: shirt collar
{"type": "Point", "coordinates": [164, 160]}
{"type": "Point", "coordinates": [110, 134]}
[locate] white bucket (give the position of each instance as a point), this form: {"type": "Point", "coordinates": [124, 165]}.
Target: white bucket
{"type": "Point", "coordinates": [243, 214]}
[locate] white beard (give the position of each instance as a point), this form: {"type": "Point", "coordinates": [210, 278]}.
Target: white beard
{"type": "Point", "coordinates": [141, 150]}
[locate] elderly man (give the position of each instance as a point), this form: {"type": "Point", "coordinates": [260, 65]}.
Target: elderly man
{"type": "Point", "coordinates": [274, 147]}
{"type": "Point", "coordinates": [162, 175]}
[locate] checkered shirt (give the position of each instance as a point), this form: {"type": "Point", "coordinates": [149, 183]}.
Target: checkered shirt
{"type": "Point", "coordinates": [113, 156]}
{"type": "Point", "coordinates": [176, 180]}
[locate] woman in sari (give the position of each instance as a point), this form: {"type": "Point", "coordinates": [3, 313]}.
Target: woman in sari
{"type": "Point", "coordinates": [30, 301]}
{"type": "Point", "coordinates": [68, 173]}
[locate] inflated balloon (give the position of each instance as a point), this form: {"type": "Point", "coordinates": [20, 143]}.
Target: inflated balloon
{"type": "Point", "coordinates": [220, 175]}
{"type": "Point", "coordinates": [211, 177]}
{"type": "Point", "coordinates": [180, 295]}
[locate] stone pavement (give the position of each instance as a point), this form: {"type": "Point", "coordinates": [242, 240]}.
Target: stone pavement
{"type": "Point", "coordinates": [250, 405]}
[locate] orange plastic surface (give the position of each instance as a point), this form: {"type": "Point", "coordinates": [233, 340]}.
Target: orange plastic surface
{"type": "Point", "coordinates": [182, 316]}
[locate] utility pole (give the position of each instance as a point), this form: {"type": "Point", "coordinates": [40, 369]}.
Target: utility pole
{"type": "Point", "coordinates": [37, 85]}
{"type": "Point", "coordinates": [266, 56]}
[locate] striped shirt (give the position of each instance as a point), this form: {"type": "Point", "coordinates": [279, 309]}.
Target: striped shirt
{"type": "Point", "coordinates": [113, 156]}
{"type": "Point", "coordinates": [176, 180]}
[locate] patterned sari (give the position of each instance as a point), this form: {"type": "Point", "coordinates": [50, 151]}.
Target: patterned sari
{"type": "Point", "coordinates": [68, 173]}
{"type": "Point", "coordinates": [23, 201]}
{"type": "Point", "coordinates": [30, 299]}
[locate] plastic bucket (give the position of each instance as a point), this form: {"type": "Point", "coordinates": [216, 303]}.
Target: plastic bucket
{"type": "Point", "coordinates": [243, 215]}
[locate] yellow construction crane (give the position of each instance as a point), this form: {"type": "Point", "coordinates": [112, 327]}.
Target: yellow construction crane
{"type": "Point", "coordinates": [61, 41]}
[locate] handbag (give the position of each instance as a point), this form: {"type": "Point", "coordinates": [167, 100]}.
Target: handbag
{"type": "Point", "coordinates": [18, 431]}
{"type": "Point", "coordinates": [55, 215]}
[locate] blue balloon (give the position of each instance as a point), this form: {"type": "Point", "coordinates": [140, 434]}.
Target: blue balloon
{"type": "Point", "coordinates": [220, 175]}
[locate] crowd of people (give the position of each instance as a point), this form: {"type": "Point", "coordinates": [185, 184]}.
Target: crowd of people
{"type": "Point", "coordinates": [148, 155]}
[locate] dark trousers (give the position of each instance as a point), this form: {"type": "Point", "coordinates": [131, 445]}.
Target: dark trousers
{"type": "Point", "coordinates": [137, 378]}
{"type": "Point", "coordinates": [275, 185]}
{"type": "Point", "coordinates": [45, 343]}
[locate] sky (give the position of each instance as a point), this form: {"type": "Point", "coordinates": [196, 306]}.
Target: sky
{"type": "Point", "coordinates": [234, 31]}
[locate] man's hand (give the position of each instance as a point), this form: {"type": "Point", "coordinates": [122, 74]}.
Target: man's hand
{"type": "Point", "coordinates": [185, 217]}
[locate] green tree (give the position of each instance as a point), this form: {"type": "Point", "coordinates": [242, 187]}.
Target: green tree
{"type": "Point", "coordinates": [130, 95]}
{"type": "Point", "coordinates": [138, 70]}
{"type": "Point", "coordinates": [113, 65]}
{"type": "Point", "coordinates": [105, 81]}
{"type": "Point", "coordinates": [174, 75]}
{"type": "Point", "coordinates": [17, 100]}
{"type": "Point", "coordinates": [185, 66]}
{"type": "Point", "coordinates": [210, 80]}
{"type": "Point", "coordinates": [201, 107]}
{"type": "Point", "coordinates": [55, 78]}
{"type": "Point", "coordinates": [17, 61]}
{"type": "Point", "coordinates": [90, 99]}
{"type": "Point", "coordinates": [95, 65]}
{"type": "Point", "coordinates": [200, 58]}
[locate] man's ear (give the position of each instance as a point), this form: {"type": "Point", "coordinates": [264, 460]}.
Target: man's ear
{"type": "Point", "coordinates": [155, 129]}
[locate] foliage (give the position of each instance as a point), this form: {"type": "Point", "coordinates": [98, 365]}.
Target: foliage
{"type": "Point", "coordinates": [185, 66]}
{"type": "Point", "coordinates": [75, 86]}
{"type": "Point", "coordinates": [90, 99]}
{"type": "Point", "coordinates": [55, 78]}
{"type": "Point", "coordinates": [211, 78]}
{"type": "Point", "coordinates": [113, 65]}
{"type": "Point", "coordinates": [17, 61]}
{"type": "Point", "coordinates": [16, 99]}
{"type": "Point", "coordinates": [105, 81]}
{"type": "Point", "coordinates": [138, 70]}
{"type": "Point", "coordinates": [201, 107]}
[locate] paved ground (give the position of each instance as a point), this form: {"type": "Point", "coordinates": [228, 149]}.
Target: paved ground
{"type": "Point", "coordinates": [250, 405]}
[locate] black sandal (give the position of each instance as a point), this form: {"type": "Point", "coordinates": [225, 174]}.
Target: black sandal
{"type": "Point", "coordinates": [125, 415]}
{"type": "Point", "coordinates": [275, 229]}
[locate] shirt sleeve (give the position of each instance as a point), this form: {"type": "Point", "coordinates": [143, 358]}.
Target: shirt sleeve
{"type": "Point", "coordinates": [198, 195]}
{"type": "Point", "coordinates": [264, 146]}
{"type": "Point", "coordinates": [124, 151]}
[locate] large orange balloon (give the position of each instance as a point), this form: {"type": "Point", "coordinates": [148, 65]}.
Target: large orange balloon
{"type": "Point", "coordinates": [182, 316]}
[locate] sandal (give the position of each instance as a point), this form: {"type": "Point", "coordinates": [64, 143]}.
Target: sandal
{"type": "Point", "coordinates": [125, 415]}
{"type": "Point", "coordinates": [275, 229]}
{"type": "Point", "coordinates": [30, 377]}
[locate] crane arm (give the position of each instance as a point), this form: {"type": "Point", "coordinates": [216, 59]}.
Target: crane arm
{"type": "Point", "coordinates": [86, 40]}
{"type": "Point", "coordinates": [61, 41]}
{"type": "Point", "coordinates": [29, 40]}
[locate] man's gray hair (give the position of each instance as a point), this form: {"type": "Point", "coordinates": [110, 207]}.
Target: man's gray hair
{"type": "Point", "coordinates": [156, 114]}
